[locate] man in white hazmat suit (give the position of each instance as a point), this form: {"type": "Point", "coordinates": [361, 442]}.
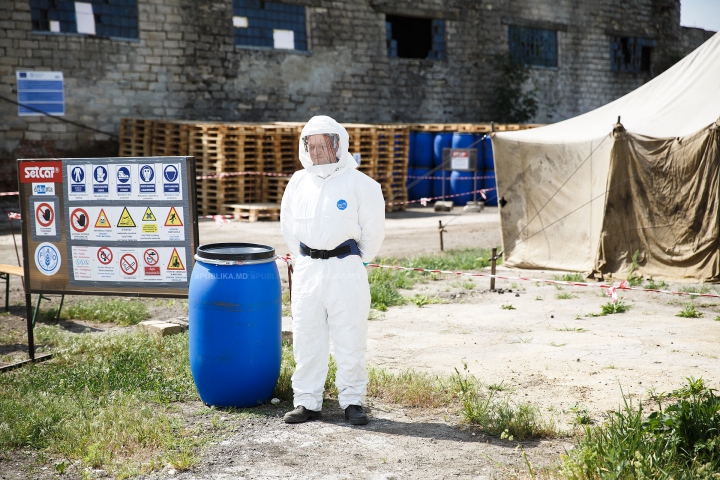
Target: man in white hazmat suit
{"type": "Point", "coordinates": [333, 219]}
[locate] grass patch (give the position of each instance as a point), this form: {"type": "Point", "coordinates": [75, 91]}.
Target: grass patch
{"type": "Point", "coordinates": [653, 285]}
{"type": "Point", "coordinates": [104, 400]}
{"type": "Point", "coordinates": [422, 300]}
{"type": "Point", "coordinates": [693, 289]}
{"type": "Point", "coordinates": [118, 310]}
{"type": "Point", "coordinates": [689, 311]}
{"type": "Point", "coordinates": [570, 277]}
{"type": "Point", "coordinates": [565, 296]}
{"type": "Point", "coordinates": [286, 310]}
{"type": "Point", "coordinates": [460, 259]}
{"type": "Point", "coordinates": [678, 441]}
{"type": "Point", "coordinates": [634, 279]}
{"type": "Point", "coordinates": [384, 285]}
{"type": "Point", "coordinates": [507, 307]}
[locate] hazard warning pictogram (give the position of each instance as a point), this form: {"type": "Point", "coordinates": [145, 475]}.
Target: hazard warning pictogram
{"type": "Point", "coordinates": [45, 215]}
{"type": "Point", "coordinates": [102, 220]}
{"type": "Point", "coordinates": [79, 220]}
{"type": "Point", "coordinates": [175, 262]}
{"type": "Point", "coordinates": [125, 219]}
{"type": "Point", "coordinates": [105, 255]}
{"type": "Point", "coordinates": [128, 264]}
{"type": "Point", "coordinates": [149, 216]}
{"type": "Point", "coordinates": [173, 219]}
{"type": "Point", "coordinates": [151, 256]}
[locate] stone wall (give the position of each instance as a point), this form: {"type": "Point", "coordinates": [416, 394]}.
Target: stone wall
{"type": "Point", "coordinates": [185, 66]}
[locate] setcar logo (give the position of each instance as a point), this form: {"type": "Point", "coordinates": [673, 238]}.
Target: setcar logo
{"type": "Point", "coordinates": [40, 171]}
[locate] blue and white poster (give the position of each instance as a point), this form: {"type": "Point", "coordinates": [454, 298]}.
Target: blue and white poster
{"type": "Point", "coordinates": [40, 93]}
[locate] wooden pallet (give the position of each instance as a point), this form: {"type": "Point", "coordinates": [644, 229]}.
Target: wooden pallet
{"type": "Point", "coordinates": [273, 189]}
{"type": "Point", "coordinates": [245, 212]}
{"type": "Point", "coordinates": [169, 138]}
{"type": "Point", "coordinates": [135, 137]}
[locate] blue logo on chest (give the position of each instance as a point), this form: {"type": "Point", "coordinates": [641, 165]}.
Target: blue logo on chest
{"type": "Point", "coordinates": [342, 204]}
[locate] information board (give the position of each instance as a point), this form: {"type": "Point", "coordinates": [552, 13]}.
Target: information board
{"type": "Point", "coordinates": [43, 91]}
{"type": "Point", "coordinates": [125, 226]}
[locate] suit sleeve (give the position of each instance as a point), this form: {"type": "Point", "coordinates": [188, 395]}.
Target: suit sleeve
{"type": "Point", "coordinates": [286, 219]}
{"type": "Point", "coordinates": [371, 216]}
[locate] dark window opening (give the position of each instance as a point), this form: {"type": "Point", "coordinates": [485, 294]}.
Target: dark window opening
{"type": "Point", "coordinates": [413, 37]}
{"type": "Point", "coordinates": [269, 24]}
{"type": "Point", "coordinates": [533, 46]}
{"type": "Point", "coordinates": [631, 54]}
{"type": "Point", "coordinates": [106, 18]}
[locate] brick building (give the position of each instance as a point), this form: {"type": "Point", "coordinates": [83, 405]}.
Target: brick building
{"type": "Point", "coordinates": [356, 60]}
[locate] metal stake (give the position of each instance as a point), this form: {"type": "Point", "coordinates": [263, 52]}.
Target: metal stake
{"type": "Point", "coordinates": [492, 269]}
{"type": "Point", "coordinates": [442, 247]}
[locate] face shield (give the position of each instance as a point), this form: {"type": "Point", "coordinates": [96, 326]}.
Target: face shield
{"type": "Point", "coordinates": [323, 148]}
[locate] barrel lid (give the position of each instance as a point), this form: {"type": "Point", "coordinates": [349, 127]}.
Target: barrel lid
{"type": "Point", "coordinates": [234, 252]}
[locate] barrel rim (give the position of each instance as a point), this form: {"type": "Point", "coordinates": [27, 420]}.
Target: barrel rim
{"type": "Point", "coordinates": [203, 252]}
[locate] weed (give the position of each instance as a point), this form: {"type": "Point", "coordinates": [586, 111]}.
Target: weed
{"type": "Point", "coordinates": [538, 298]}
{"type": "Point", "coordinates": [678, 441]}
{"type": "Point", "coordinates": [422, 300]}
{"type": "Point", "coordinates": [692, 289]}
{"type": "Point", "coordinates": [117, 310]}
{"type": "Point", "coordinates": [633, 278]}
{"type": "Point", "coordinates": [611, 308]}
{"type": "Point", "coordinates": [717, 319]}
{"type": "Point", "coordinates": [570, 277]}
{"type": "Point", "coordinates": [410, 388]}
{"type": "Point", "coordinates": [498, 387]}
{"type": "Point", "coordinates": [286, 311]}
{"type": "Point", "coordinates": [469, 285]}
{"type": "Point", "coordinates": [565, 296]}
{"type": "Point", "coordinates": [582, 415]}
{"type": "Point", "coordinates": [652, 285]}
{"type": "Point", "coordinates": [611, 367]}
{"type": "Point", "coordinates": [462, 259]}
{"type": "Point", "coordinates": [689, 311]}
{"type": "Point", "coordinates": [507, 307]}
{"type": "Point", "coordinates": [558, 344]}
{"type": "Point", "coordinates": [571, 329]}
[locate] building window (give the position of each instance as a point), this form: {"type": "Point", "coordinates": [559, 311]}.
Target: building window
{"type": "Point", "coordinates": [630, 54]}
{"type": "Point", "coordinates": [412, 37]}
{"type": "Point", "coordinates": [269, 24]}
{"type": "Point", "coordinates": [533, 46]}
{"type": "Point", "coordinates": [102, 18]}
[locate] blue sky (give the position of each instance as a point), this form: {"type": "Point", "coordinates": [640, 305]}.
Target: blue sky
{"type": "Point", "coordinates": [700, 13]}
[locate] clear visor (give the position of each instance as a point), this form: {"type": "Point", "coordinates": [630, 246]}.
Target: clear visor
{"type": "Point", "coordinates": [322, 148]}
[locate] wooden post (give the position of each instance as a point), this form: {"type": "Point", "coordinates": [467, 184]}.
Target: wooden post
{"type": "Point", "coordinates": [442, 247]}
{"type": "Point", "coordinates": [492, 269]}
{"type": "Point", "coordinates": [29, 315]}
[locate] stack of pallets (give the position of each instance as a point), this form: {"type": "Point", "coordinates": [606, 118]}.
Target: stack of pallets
{"type": "Point", "coordinates": [136, 137]}
{"type": "Point", "coordinates": [392, 164]}
{"type": "Point", "coordinates": [169, 138]}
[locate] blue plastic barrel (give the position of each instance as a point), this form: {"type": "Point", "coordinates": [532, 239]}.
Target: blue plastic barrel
{"type": "Point", "coordinates": [463, 140]}
{"type": "Point", "coordinates": [441, 141]}
{"type": "Point", "coordinates": [461, 182]}
{"type": "Point", "coordinates": [234, 307]}
{"type": "Point", "coordinates": [488, 153]}
{"type": "Point", "coordinates": [410, 180]}
{"type": "Point", "coordinates": [411, 150]}
{"type": "Point", "coordinates": [422, 189]}
{"type": "Point", "coordinates": [423, 149]}
{"type": "Point", "coordinates": [492, 198]}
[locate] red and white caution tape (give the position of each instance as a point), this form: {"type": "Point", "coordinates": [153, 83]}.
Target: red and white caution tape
{"type": "Point", "coordinates": [611, 290]}
{"type": "Point", "coordinates": [235, 174]}
{"type": "Point", "coordinates": [8, 194]}
{"type": "Point", "coordinates": [14, 216]}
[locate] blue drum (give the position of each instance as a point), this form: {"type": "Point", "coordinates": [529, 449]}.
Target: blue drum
{"type": "Point", "coordinates": [235, 303]}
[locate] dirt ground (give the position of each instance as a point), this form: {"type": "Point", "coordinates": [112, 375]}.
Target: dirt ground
{"type": "Point", "coordinates": [544, 350]}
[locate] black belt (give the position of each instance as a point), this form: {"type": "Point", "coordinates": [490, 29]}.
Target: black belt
{"type": "Point", "coordinates": [324, 254]}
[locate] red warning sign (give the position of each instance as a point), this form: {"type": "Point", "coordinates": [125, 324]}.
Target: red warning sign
{"type": "Point", "coordinates": [128, 264]}
{"type": "Point", "coordinates": [175, 261]}
{"type": "Point", "coordinates": [105, 255]}
{"type": "Point", "coordinates": [44, 214]}
{"type": "Point", "coordinates": [79, 220]}
{"type": "Point", "coordinates": [102, 220]}
{"type": "Point", "coordinates": [151, 256]}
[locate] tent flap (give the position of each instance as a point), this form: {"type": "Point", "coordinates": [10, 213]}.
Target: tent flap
{"type": "Point", "coordinates": [662, 202]}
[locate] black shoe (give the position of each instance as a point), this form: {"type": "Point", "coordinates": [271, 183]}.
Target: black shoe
{"type": "Point", "coordinates": [300, 415]}
{"type": "Point", "coordinates": [356, 415]}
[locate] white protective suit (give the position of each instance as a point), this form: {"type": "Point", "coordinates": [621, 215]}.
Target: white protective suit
{"type": "Point", "coordinates": [322, 207]}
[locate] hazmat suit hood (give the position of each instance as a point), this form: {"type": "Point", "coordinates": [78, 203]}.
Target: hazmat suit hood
{"type": "Point", "coordinates": [324, 125]}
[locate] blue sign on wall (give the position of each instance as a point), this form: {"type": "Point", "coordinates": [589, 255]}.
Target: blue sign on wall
{"type": "Point", "coordinates": [42, 91]}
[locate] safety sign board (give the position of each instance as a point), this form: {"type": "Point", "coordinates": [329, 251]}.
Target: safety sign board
{"type": "Point", "coordinates": [127, 264]}
{"type": "Point", "coordinates": [125, 219]}
{"type": "Point", "coordinates": [79, 220]}
{"type": "Point", "coordinates": [47, 259]}
{"type": "Point", "coordinates": [102, 220]}
{"type": "Point", "coordinates": [173, 219]}
{"type": "Point", "coordinates": [44, 219]}
{"type": "Point", "coordinates": [149, 216]}
{"type": "Point", "coordinates": [140, 181]}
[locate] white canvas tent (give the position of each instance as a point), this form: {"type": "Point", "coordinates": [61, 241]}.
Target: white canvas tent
{"type": "Point", "coordinates": [585, 194]}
